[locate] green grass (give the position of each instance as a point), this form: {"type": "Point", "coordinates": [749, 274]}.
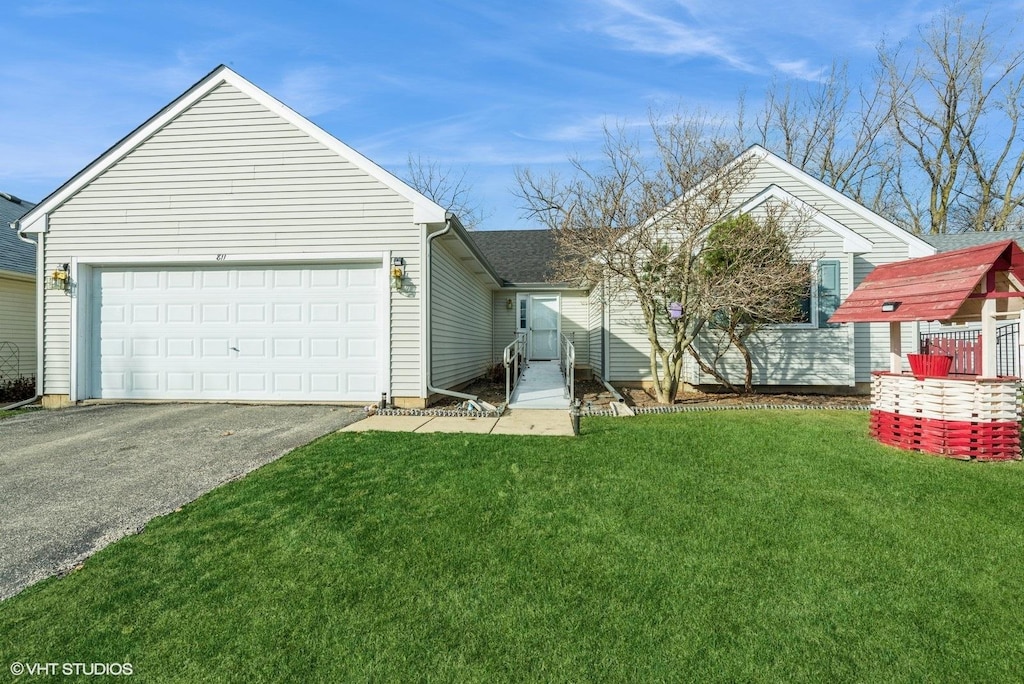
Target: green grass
{"type": "Point", "coordinates": [734, 546]}
{"type": "Point", "coordinates": [13, 412]}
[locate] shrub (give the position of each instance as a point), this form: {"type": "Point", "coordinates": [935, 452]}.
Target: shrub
{"type": "Point", "coordinates": [17, 389]}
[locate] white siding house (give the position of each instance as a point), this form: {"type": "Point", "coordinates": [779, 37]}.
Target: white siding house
{"type": "Point", "coordinates": [230, 249]}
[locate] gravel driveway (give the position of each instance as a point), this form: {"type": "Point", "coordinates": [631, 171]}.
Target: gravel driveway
{"type": "Point", "coordinates": [73, 481]}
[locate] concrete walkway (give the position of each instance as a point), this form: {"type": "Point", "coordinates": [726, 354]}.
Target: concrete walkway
{"type": "Point", "coordinates": [513, 422]}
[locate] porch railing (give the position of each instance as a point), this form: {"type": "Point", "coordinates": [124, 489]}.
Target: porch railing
{"type": "Point", "coordinates": [513, 358]}
{"type": "Point", "coordinates": [567, 364]}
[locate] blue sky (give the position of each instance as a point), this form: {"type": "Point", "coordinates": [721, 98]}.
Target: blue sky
{"type": "Point", "coordinates": [485, 86]}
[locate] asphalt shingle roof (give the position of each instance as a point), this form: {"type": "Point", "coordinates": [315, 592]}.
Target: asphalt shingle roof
{"type": "Point", "coordinates": [15, 255]}
{"type": "Point", "coordinates": [948, 243]}
{"type": "Point", "coordinates": [519, 257]}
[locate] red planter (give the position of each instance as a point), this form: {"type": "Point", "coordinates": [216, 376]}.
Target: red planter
{"type": "Point", "coordinates": [930, 365]}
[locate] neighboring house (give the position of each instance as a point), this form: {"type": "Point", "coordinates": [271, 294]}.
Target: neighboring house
{"type": "Point", "coordinates": [948, 243]}
{"type": "Point", "coordinates": [229, 249]}
{"type": "Point", "coordinates": [17, 295]}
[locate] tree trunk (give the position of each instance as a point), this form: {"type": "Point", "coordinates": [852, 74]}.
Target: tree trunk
{"type": "Point", "coordinates": [712, 371]}
{"type": "Point", "coordinates": [739, 342]}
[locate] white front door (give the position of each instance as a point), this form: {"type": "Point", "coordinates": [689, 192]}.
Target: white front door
{"type": "Point", "coordinates": [542, 314]}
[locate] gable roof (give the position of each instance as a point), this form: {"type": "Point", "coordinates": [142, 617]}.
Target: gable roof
{"type": "Point", "coordinates": [852, 240]}
{"type": "Point", "coordinates": [916, 247]}
{"type": "Point", "coordinates": [16, 255]}
{"type": "Point", "coordinates": [520, 257]}
{"type": "Point", "coordinates": [424, 209]}
{"type": "Point", "coordinates": [932, 288]}
{"type": "Point", "coordinates": [757, 154]}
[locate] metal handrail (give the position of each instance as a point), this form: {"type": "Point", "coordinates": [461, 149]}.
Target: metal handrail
{"type": "Point", "coordinates": [512, 357]}
{"type": "Point", "coordinates": [567, 364]}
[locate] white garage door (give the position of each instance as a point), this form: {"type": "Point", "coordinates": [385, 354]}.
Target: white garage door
{"type": "Point", "coordinates": [307, 333]}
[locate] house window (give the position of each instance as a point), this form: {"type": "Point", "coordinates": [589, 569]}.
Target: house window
{"type": "Point", "coordinates": [822, 296]}
{"type": "Point", "coordinates": [828, 290]}
{"type": "Point", "coordinates": [522, 313]}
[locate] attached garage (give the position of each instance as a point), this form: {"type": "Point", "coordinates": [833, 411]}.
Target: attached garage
{"type": "Point", "coordinates": [239, 332]}
{"type": "Point", "coordinates": [229, 249]}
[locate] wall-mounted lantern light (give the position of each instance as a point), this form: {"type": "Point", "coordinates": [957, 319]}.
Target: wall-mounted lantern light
{"type": "Point", "coordinates": [675, 310]}
{"type": "Point", "coordinates": [889, 307]}
{"type": "Point", "coordinates": [397, 272]}
{"type": "Point", "coordinates": [509, 304]}
{"type": "Point", "coordinates": [60, 279]}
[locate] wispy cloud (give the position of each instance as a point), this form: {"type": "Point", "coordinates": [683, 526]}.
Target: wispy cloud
{"type": "Point", "coordinates": [800, 69]}
{"type": "Point", "coordinates": [310, 90]}
{"type": "Point", "coordinates": [640, 29]}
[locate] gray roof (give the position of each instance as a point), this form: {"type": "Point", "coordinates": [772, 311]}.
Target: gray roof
{"type": "Point", "coordinates": [519, 257]}
{"type": "Point", "coordinates": [947, 243]}
{"type": "Point", "coordinates": [15, 254]}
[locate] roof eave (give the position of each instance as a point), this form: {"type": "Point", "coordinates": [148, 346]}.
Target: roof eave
{"type": "Point", "coordinates": [463, 235]}
{"type": "Point", "coordinates": [424, 210]}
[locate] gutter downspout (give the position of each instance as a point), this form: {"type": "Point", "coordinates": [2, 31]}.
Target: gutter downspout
{"type": "Point", "coordinates": [428, 357]}
{"type": "Point", "coordinates": [16, 225]}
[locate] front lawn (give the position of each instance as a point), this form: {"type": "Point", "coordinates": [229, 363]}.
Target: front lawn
{"type": "Point", "coordinates": [734, 546]}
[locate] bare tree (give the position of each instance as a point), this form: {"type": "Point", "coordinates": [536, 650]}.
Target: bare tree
{"type": "Point", "coordinates": [834, 131]}
{"type": "Point", "coordinates": [955, 110]}
{"type": "Point", "coordinates": [638, 224]}
{"type": "Point", "coordinates": [446, 186]}
{"type": "Point", "coordinates": [760, 275]}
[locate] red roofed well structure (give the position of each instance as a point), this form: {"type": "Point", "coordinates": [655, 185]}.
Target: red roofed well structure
{"type": "Point", "coordinates": [944, 287]}
{"type": "Point", "coordinates": [961, 417]}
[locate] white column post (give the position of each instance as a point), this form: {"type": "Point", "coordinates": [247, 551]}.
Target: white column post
{"type": "Point", "coordinates": [988, 339]}
{"type": "Point", "coordinates": [895, 348]}
{"type": "Point", "coordinates": [1020, 342]}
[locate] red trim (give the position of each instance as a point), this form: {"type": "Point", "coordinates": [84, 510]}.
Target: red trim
{"type": "Point", "coordinates": [984, 441]}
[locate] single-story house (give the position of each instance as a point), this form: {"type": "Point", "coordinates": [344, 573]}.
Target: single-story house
{"type": "Point", "coordinates": [17, 295]}
{"type": "Point", "coordinates": [230, 249]}
{"type": "Point", "coordinates": [846, 239]}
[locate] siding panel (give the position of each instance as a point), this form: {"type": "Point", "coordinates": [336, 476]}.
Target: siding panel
{"type": "Point", "coordinates": [596, 323]}
{"type": "Point", "coordinates": [17, 328]}
{"type": "Point", "coordinates": [460, 321]}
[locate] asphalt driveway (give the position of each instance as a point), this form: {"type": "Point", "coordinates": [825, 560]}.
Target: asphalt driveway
{"type": "Point", "coordinates": [75, 480]}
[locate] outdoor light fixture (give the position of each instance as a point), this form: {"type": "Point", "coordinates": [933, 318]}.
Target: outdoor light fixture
{"type": "Point", "coordinates": [509, 304]}
{"type": "Point", "coordinates": [889, 307]}
{"type": "Point", "coordinates": [60, 279]}
{"type": "Point", "coordinates": [397, 272]}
